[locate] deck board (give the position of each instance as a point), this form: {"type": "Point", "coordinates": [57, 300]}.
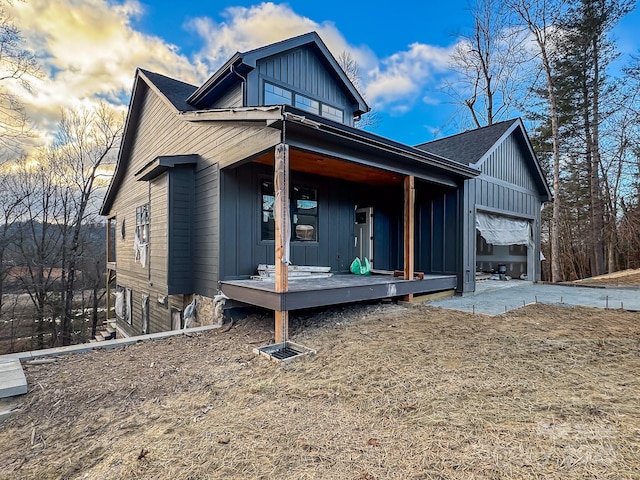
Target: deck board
{"type": "Point", "coordinates": [338, 289]}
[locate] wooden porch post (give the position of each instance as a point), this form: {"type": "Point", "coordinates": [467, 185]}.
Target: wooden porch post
{"type": "Point", "coordinates": [282, 236]}
{"type": "Point", "coordinates": [409, 229]}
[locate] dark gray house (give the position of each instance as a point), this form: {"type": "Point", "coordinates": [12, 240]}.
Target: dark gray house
{"type": "Point", "coordinates": [262, 164]}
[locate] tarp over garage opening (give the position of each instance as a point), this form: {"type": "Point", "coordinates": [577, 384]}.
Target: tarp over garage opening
{"type": "Point", "coordinates": [499, 230]}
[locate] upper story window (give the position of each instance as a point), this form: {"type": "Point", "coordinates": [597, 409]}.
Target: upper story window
{"type": "Point", "coordinates": [307, 104]}
{"type": "Point", "coordinates": [332, 113]}
{"type": "Point", "coordinates": [276, 96]}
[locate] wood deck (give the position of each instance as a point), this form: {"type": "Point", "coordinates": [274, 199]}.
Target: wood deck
{"type": "Point", "coordinates": [320, 292]}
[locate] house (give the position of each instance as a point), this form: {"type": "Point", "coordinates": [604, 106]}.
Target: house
{"type": "Point", "coordinates": [263, 164]}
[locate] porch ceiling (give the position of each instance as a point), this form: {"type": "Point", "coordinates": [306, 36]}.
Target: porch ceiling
{"type": "Point", "coordinates": [320, 164]}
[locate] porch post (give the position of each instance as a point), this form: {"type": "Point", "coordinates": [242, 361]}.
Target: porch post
{"type": "Point", "coordinates": [409, 229]}
{"type": "Point", "coordinates": [282, 237]}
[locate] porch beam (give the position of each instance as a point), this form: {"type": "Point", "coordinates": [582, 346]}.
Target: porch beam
{"type": "Point", "coordinates": [409, 229]}
{"type": "Point", "coordinates": [282, 237]}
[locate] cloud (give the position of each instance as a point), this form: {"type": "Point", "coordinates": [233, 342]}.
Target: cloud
{"type": "Point", "coordinates": [401, 78]}
{"type": "Point", "coordinates": [88, 50]}
{"type": "Point", "coordinates": [246, 28]}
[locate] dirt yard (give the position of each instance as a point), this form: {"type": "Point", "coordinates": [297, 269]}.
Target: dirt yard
{"type": "Point", "coordinates": [394, 392]}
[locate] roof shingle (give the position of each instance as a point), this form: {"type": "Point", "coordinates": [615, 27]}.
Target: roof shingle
{"type": "Point", "coordinates": [176, 91]}
{"type": "Point", "coordinates": [470, 146]}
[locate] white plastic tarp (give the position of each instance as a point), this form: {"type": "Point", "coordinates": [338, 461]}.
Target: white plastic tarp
{"type": "Point", "coordinates": [499, 230]}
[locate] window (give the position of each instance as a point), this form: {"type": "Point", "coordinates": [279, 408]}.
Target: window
{"type": "Point", "coordinates": [141, 241]}
{"type": "Point", "coordinates": [332, 113]}
{"type": "Point", "coordinates": [307, 104]}
{"type": "Point", "coordinates": [276, 96]}
{"type": "Point", "coordinates": [518, 250]}
{"type": "Point", "coordinates": [304, 213]}
{"type": "Point", "coordinates": [268, 201]}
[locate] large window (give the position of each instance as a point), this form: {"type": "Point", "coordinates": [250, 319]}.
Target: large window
{"type": "Point", "coordinates": [304, 213]}
{"type": "Point", "coordinates": [274, 95]}
{"type": "Point", "coordinates": [332, 113]}
{"type": "Point", "coordinates": [307, 104]}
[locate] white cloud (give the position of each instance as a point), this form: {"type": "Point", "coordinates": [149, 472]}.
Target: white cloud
{"type": "Point", "coordinates": [246, 28]}
{"type": "Point", "coordinates": [401, 78]}
{"type": "Point", "coordinates": [88, 50]}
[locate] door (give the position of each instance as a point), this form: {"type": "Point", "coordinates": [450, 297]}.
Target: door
{"type": "Point", "coordinates": [364, 233]}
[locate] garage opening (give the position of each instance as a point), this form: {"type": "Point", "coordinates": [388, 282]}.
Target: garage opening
{"type": "Point", "coordinates": [503, 245]}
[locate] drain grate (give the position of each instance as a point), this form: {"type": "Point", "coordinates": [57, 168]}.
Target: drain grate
{"type": "Point", "coordinates": [284, 352]}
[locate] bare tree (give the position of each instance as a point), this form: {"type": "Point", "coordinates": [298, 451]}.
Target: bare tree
{"type": "Point", "coordinates": [85, 139]}
{"type": "Point", "coordinates": [540, 17]}
{"type": "Point", "coordinates": [17, 64]}
{"type": "Point", "coordinates": [11, 209]}
{"type": "Point", "coordinates": [39, 243]}
{"type": "Point", "coordinates": [352, 70]}
{"type": "Point", "coordinates": [488, 61]}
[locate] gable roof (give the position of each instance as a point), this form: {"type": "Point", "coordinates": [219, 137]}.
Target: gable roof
{"type": "Point", "coordinates": [173, 90]}
{"type": "Point", "coordinates": [474, 146]}
{"type": "Point", "coordinates": [470, 146]}
{"type": "Point", "coordinates": [242, 63]}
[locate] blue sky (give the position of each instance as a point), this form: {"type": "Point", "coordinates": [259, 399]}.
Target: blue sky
{"type": "Point", "coordinates": [384, 28]}
{"type": "Point", "coordinates": [89, 49]}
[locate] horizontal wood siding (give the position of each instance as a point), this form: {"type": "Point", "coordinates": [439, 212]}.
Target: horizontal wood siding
{"type": "Point", "coordinates": [232, 98]}
{"type": "Point", "coordinates": [159, 131]}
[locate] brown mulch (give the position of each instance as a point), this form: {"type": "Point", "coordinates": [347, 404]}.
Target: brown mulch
{"type": "Point", "coordinates": [394, 392]}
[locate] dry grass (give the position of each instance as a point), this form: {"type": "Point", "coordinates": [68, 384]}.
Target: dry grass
{"type": "Point", "coordinates": [624, 278]}
{"type": "Point", "coordinates": [393, 393]}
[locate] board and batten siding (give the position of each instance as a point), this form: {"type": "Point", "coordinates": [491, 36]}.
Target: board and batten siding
{"type": "Point", "coordinates": [242, 247]}
{"type": "Point", "coordinates": [505, 187]}
{"type": "Point", "coordinates": [160, 132]}
{"type": "Point", "coordinates": [301, 71]}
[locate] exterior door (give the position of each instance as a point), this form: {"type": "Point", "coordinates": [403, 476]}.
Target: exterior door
{"type": "Point", "coordinates": [364, 233]}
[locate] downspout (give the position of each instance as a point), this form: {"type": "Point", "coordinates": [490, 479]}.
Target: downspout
{"type": "Point", "coordinates": [244, 85]}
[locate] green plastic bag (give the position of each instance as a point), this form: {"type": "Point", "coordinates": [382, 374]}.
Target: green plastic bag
{"type": "Point", "coordinates": [360, 268]}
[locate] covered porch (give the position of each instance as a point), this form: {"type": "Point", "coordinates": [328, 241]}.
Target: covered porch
{"type": "Point", "coordinates": [320, 180]}
{"type": "Point", "coordinates": [338, 289]}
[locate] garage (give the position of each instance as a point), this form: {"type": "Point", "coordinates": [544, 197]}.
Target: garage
{"type": "Point", "coordinates": [503, 245]}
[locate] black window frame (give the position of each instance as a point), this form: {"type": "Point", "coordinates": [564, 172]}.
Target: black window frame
{"type": "Point", "coordinates": [298, 195]}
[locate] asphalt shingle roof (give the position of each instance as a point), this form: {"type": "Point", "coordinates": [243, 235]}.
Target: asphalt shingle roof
{"type": "Point", "coordinates": [176, 91]}
{"type": "Point", "coordinates": [467, 147]}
